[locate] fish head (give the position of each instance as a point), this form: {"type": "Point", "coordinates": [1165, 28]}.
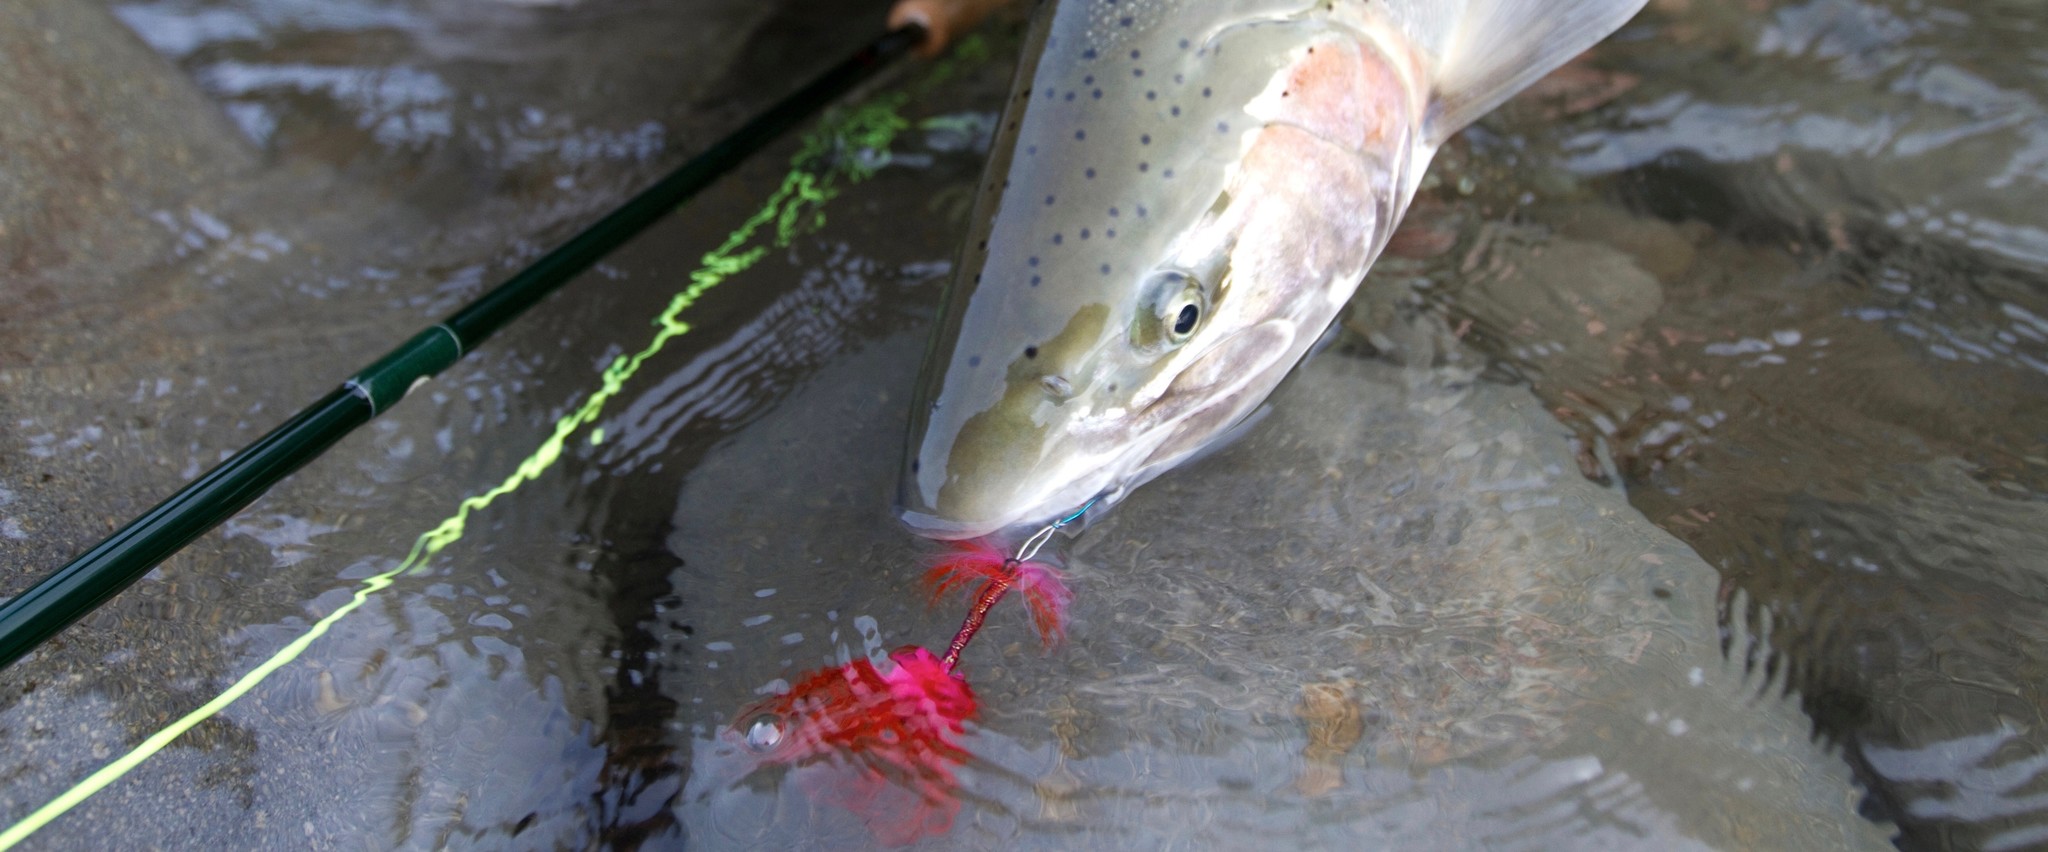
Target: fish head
{"type": "Point", "coordinates": [1156, 245]}
{"type": "Point", "coordinates": [1030, 427]}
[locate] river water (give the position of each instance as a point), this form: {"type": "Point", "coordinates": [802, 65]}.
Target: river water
{"type": "Point", "coordinates": [1675, 486]}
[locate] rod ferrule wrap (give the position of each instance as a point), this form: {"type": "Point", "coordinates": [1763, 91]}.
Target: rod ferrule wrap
{"type": "Point", "coordinates": [387, 380]}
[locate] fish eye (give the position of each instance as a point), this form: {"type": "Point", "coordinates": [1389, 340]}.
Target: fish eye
{"type": "Point", "coordinates": [1174, 306]}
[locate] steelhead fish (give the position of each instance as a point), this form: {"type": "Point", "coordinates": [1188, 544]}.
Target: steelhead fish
{"type": "Point", "coordinates": [1182, 195]}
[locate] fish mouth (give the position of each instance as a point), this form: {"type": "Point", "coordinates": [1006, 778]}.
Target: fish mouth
{"type": "Point", "coordinates": [1018, 526]}
{"type": "Point", "coordinates": [933, 526]}
{"type": "Point", "coordinates": [953, 528]}
{"type": "Point", "coordinates": [1220, 376]}
{"type": "Point", "coordinates": [1206, 398]}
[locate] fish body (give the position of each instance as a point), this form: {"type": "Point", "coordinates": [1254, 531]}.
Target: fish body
{"type": "Point", "coordinates": [1181, 197]}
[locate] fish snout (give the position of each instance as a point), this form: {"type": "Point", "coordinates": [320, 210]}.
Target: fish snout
{"type": "Point", "coordinates": [969, 506]}
{"type": "Point", "coordinates": [1001, 468]}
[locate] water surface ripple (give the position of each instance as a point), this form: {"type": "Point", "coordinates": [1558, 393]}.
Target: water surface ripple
{"type": "Point", "coordinates": [1679, 484]}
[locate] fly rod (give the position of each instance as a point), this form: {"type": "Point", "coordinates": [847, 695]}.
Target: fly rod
{"type": "Point", "coordinates": [68, 593]}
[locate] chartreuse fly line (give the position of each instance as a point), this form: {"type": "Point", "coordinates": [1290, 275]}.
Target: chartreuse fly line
{"type": "Point", "coordinates": [845, 149]}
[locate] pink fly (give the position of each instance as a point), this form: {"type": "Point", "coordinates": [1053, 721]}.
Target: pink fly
{"type": "Point", "coordinates": [884, 744]}
{"type": "Point", "coordinates": [1045, 592]}
{"type": "Point", "coordinates": [879, 744]}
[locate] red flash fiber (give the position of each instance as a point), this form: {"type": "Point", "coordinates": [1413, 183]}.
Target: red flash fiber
{"type": "Point", "coordinates": [1045, 591]}
{"type": "Point", "coordinates": [883, 745]}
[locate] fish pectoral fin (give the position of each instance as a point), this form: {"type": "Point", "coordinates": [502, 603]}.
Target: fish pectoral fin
{"type": "Point", "coordinates": [1487, 50]}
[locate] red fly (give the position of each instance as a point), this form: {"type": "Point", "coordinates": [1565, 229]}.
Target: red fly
{"type": "Point", "coordinates": [883, 744]}
{"type": "Point", "coordinates": [880, 744]}
{"type": "Point", "coordinates": [1045, 592]}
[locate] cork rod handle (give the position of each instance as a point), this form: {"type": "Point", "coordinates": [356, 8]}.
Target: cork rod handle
{"type": "Point", "coordinates": [943, 20]}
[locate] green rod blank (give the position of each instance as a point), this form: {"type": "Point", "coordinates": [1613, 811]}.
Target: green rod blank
{"type": "Point", "coordinates": [67, 594]}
